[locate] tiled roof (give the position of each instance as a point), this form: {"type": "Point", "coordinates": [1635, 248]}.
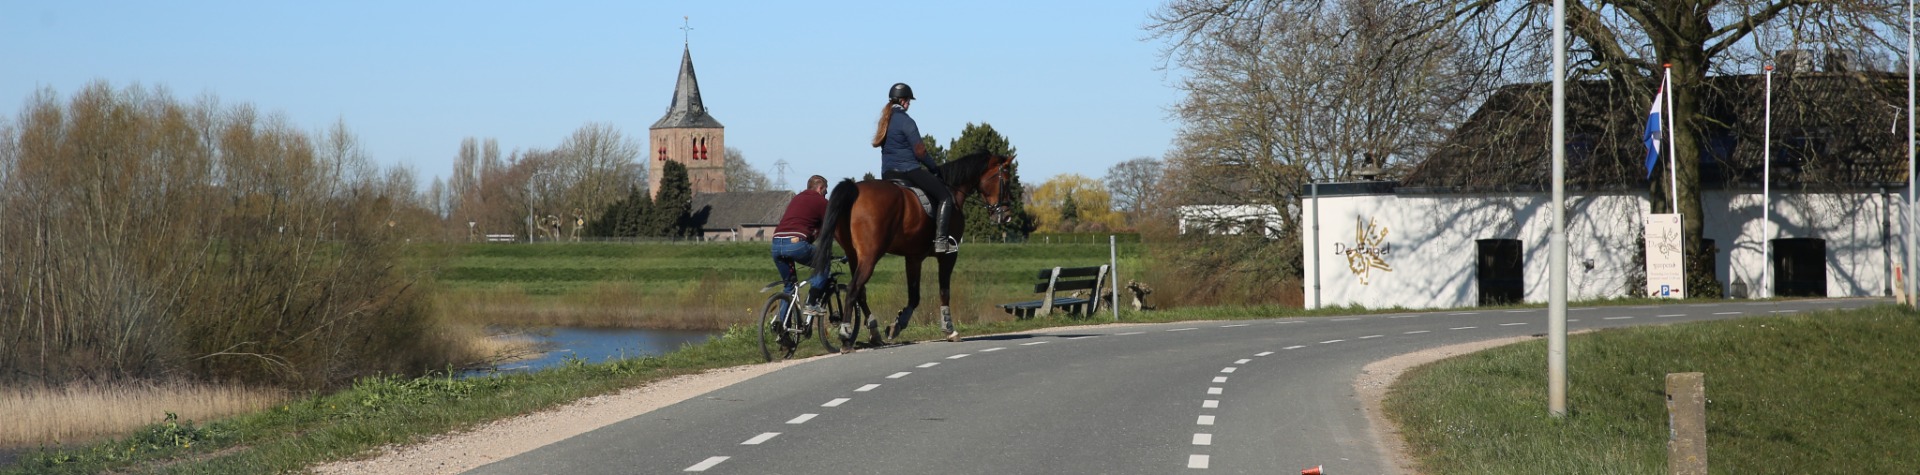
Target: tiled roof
{"type": "Point", "coordinates": [731, 210]}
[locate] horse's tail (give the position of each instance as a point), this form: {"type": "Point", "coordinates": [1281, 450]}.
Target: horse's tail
{"type": "Point", "coordinates": [838, 208]}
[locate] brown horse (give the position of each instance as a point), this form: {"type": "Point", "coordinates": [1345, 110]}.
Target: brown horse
{"type": "Point", "coordinates": [875, 217]}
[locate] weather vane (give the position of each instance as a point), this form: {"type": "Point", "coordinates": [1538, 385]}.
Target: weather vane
{"type": "Point", "coordinates": [685, 27]}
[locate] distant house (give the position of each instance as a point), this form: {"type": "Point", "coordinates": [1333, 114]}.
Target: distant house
{"type": "Point", "coordinates": [1469, 225]}
{"type": "Point", "coordinates": [739, 216]}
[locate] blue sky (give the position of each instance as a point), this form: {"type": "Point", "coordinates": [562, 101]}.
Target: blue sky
{"type": "Point", "coordinates": [1072, 84]}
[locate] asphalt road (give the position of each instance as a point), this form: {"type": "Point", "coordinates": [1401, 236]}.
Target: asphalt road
{"type": "Point", "coordinates": [1256, 396]}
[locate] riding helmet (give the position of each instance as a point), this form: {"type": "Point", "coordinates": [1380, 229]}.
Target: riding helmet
{"type": "Point", "coordinates": [900, 90]}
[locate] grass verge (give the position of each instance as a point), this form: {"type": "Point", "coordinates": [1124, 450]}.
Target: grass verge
{"type": "Point", "coordinates": [1823, 392]}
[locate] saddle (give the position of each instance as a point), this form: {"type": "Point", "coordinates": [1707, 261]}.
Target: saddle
{"type": "Point", "coordinates": [925, 204]}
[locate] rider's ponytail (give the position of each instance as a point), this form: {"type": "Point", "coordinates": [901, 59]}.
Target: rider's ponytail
{"type": "Point", "coordinates": [886, 118]}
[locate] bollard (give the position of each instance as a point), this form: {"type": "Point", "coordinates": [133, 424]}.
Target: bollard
{"type": "Point", "coordinates": [1687, 423]}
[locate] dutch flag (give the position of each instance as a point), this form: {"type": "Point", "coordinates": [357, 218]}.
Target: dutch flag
{"type": "Point", "coordinates": [1653, 129]}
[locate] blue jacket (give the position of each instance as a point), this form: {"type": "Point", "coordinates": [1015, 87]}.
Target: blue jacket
{"type": "Point", "coordinates": [896, 149]}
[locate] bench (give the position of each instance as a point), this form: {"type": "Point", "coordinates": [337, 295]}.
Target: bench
{"type": "Point", "coordinates": [502, 238]}
{"type": "Point", "coordinates": [1061, 279]}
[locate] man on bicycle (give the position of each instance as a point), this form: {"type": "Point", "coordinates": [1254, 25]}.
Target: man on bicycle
{"type": "Point", "coordinates": [793, 238]}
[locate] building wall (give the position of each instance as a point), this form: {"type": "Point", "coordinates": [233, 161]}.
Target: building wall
{"type": "Point", "coordinates": [1419, 250]}
{"type": "Point", "coordinates": [707, 173]}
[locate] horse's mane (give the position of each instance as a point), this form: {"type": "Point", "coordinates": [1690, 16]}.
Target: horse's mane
{"type": "Point", "coordinates": [965, 170]}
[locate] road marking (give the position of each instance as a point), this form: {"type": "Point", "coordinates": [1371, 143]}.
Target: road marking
{"type": "Point", "coordinates": [1034, 343]}
{"type": "Point", "coordinates": [712, 461]}
{"type": "Point", "coordinates": [1416, 332]}
{"type": "Point", "coordinates": [1616, 318]}
{"type": "Point", "coordinates": [1726, 313]}
{"type": "Point", "coordinates": [803, 418]}
{"type": "Point", "coordinates": [756, 440]}
{"type": "Point", "coordinates": [1083, 337]}
{"type": "Point", "coordinates": [1294, 347]}
{"type": "Point", "coordinates": [1228, 369]}
{"type": "Point", "coordinates": [1210, 404]}
{"type": "Point", "coordinates": [1331, 341]}
{"type": "Point", "coordinates": [866, 388]}
{"type": "Point", "coordinates": [1371, 336]}
{"type": "Point", "coordinates": [1670, 316]}
{"type": "Point", "coordinates": [1204, 420]}
{"type": "Point", "coordinates": [1404, 316]}
{"type": "Point", "coordinates": [958, 356]}
{"type": "Point", "coordinates": [1232, 326]}
{"type": "Point", "coordinates": [1465, 313]}
{"type": "Point", "coordinates": [1288, 321]}
{"type": "Point", "coordinates": [1219, 379]}
{"type": "Point", "coordinates": [1462, 328]}
{"type": "Point", "coordinates": [1215, 391]}
{"type": "Point", "coordinates": [928, 365]}
{"type": "Point", "coordinates": [1197, 461]}
{"type": "Point", "coordinates": [989, 350]}
{"type": "Point", "coordinates": [1203, 439]}
{"type": "Point", "coordinates": [1512, 324]}
{"type": "Point", "coordinates": [1263, 353]}
{"type": "Point", "coordinates": [1573, 320]}
{"type": "Point", "coordinates": [899, 375]}
{"type": "Point", "coordinates": [1645, 307]}
{"type": "Point", "coordinates": [1242, 361]}
{"type": "Point", "coordinates": [1583, 309]}
{"type": "Point", "coordinates": [836, 402]}
{"type": "Point", "coordinates": [1128, 333]}
{"type": "Point", "coordinates": [1518, 311]}
{"type": "Point", "coordinates": [1343, 319]}
{"type": "Point", "coordinates": [1783, 311]}
{"type": "Point", "coordinates": [1182, 329]}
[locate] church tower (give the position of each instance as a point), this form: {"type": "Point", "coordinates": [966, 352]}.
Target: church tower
{"type": "Point", "coordinates": [689, 136]}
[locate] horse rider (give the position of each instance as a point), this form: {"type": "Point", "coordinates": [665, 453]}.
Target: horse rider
{"type": "Point", "coordinates": [904, 157]}
{"type": "Point", "coordinates": [793, 238]}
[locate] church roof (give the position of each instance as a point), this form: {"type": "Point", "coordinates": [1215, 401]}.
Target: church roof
{"type": "Point", "coordinates": [686, 111]}
{"type": "Point", "coordinates": [731, 210]}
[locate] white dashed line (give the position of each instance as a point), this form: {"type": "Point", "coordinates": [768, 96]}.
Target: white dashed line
{"type": "Point", "coordinates": [1219, 379]}
{"type": "Point", "coordinates": [712, 461]}
{"type": "Point", "coordinates": [1215, 391]}
{"type": "Point", "coordinates": [866, 388]}
{"type": "Point", "coordinates": [1670, 316]}
{"type": "Point", "coordinates": [899, 375]}
{"type": "Point", "coordinates": [1331, 341]}
{"type": "Point", "coordinates": [1182, 329]}
{"type": "Point", "coordinates": [1371, 336]}
{"type": "Point", "coordinates": [1404, 316]}
{"type": "Point", "coordinates": [1573, 319]}
{"type": "Point", "coordinates": [1228, 369]}
{"type": "Point", "coordinates": [1242, 361]}
{"type": "Point", "coordinates": [1616, 318]}
{"type": "Point", "coordinates": [836, 402]}
{"type": "Point", "coordinates": [1294, 347]}
{"type": "Point", "coordinates": [1783, 311]}
{"type": "Point", "coordinates": [958, 356]}
{"type": "Point", "coordinates": [1128, 333]}
{"type": "Point", "coordinates": [1197, 461]}
{"type": "Point", "coordinates": [1512, 324]}
{"type": "Point", "coordinates": [1416, 332]}
{"type": "Point", "coordinates": [756, 440]}
{"type": "Point", "coordinates": [1726, 313]}
{"type": "Point", "coordinates": [1204, 420]}
{"type": "Point", "coordinates": [1083, 337]}
{"type": "Point", "coordinates": [1263, 353]}
{"type": "Point", "coordinates": [1203, 439]}
{"type": "Point", "coordinates": [1210, 404]}
{"type": "Point", "coordinates": [1518, 311]}
{"type": "Point", "coordinates": [990, 350]}
{"type": "Point", "coordinates": [1034, 343]}
{"type": "Point", "coordinates": [803, 418]}
{"type": "Point", "coordinates": [1288, 321]}
{"type": "Point", "coordinates": [1343, 319]}
{"type": "Point", "coordinates": [1465, 313]}
{"type": "Point", "coordinates": [1582, 309]}
{"type": "Point", "coordinates": [928, 365]}
{"type": "Point", "coordinates": [1462, 328]}
{"type": "Point", "coordinates": [1235, 326]}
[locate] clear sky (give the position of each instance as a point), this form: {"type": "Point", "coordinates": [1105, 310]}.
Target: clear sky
{"type": "Point", "coordinates": [1072, 84]}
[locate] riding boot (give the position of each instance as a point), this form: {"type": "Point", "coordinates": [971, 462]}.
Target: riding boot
{"type": "Point", "coordinates": [943, 242]}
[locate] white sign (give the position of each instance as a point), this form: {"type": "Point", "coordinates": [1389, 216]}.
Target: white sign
{"type": "Point", "coordinates": [1666, 276]}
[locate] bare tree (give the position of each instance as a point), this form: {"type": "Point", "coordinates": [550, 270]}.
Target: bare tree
{"type": "Point", "coordinates": [1130, 181]}
{"type": "Point", "coordinates": [741, 176]}
{"type": "Point", "coordinates": [594, 168]}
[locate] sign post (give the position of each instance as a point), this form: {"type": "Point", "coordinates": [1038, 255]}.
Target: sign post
{"type": "Point", "coordinates": [1666, 277]}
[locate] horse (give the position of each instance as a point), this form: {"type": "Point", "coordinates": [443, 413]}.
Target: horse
{"type": "Point", "coordinates": [873, 218]}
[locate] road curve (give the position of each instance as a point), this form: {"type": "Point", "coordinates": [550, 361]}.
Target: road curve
{"type": "Point", "coordinates": [1255, 396]}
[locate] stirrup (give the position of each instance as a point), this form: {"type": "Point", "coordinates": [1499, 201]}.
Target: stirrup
{"type": "Point", "coordinates": [945, 245]}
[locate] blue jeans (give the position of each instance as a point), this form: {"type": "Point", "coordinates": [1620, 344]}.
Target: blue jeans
{"type": "Point", "coordinates": [786, 252]}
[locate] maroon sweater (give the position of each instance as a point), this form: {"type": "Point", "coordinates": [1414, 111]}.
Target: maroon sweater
{"type": "Point", "coordinates": [803, 216]}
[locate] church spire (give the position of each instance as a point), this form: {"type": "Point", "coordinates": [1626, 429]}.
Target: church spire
{"type": "Point", "coordinates": [686, 110]}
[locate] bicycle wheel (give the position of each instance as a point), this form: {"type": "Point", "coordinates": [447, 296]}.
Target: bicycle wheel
{"type": "Point", "coordinates": [835, 308]}
{"type": "Point", "coordinates": [772, 336]}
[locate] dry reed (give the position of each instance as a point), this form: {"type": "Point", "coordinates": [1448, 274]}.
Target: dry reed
{"type": "Point", "coordinates": [85, 412]}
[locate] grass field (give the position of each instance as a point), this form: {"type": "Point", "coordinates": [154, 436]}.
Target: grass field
{"type": "Point", "coordinates": [1829, 392]}
{"type": "Point", "coordinates": [710, 286]}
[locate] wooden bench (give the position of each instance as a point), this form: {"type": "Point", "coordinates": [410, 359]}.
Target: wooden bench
{"type": "Point", "coordinates": [502, 238]}
{"type": "Point", "coordinates": [1061, 279]}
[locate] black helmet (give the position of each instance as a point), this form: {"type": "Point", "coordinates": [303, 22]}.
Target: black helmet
{"type": "Point", "coordinates": [900, 90]}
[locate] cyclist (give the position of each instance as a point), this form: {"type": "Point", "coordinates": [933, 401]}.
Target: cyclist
{"type": "Point", "coordinates": [793, 238]}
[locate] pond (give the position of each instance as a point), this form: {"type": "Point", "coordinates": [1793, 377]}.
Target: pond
{"type": "Point", "coordinates": [596, 345]}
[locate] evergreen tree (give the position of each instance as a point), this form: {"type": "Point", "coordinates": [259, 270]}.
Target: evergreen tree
{"type": "Point", "coordinates": [977, 138]}
{"type": "Point", "coordinates": [1069, 211]}
{"type": "Point", "coordinates": [669, 214]}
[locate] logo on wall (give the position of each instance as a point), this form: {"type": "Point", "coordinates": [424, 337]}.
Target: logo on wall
{"type": "Point", "coordinates": [1369, 251]}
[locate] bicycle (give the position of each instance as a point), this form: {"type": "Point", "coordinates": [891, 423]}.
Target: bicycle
{"type": "Point", "coordinates": [786, 333]}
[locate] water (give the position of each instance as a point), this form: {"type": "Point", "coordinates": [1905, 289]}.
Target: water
{"type": "Point", "coordinates": [595, 345]}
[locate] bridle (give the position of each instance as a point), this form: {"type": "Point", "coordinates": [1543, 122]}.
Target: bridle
{"type": "Point", "coordinates": [1002, 212]}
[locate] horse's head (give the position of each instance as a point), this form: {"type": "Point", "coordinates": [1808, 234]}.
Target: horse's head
{"type": "Point", "coordinates": [990, 175]}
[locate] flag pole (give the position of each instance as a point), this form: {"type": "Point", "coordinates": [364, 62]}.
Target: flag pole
{"type": "Point", "coordinates": [1557, 242]}
{"type": "Point", "coordinates": [1766, 195]}
{"type": "Point", "coordinates": [1673, 152]}
{"type": "Point", "coordinates": [1913, 220]}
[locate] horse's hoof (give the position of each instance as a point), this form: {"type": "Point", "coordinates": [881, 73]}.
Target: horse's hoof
{"type": "Point", "coordinates": [953, 337]}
